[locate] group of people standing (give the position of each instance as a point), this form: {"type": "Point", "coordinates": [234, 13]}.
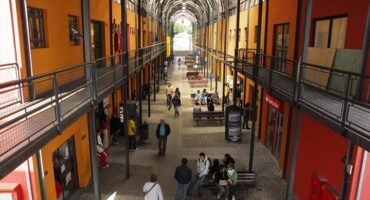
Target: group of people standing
{"type": "Point", "coordinates": [223, 175]}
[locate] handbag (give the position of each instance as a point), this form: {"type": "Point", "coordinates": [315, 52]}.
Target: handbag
{"type": "Point", "coordinates": [223, 182]}
{"type": "Point", "coordinates": [146, 192]}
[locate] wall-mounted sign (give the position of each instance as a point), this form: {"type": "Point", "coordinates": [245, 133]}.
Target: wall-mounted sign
{"type": "Point", "coordinates": [277, 104]}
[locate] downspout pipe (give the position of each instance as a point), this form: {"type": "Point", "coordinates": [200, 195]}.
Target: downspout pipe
{"type": "Point", "coordinates": [27, 47]}
{"type": "Point", "coordinates": [347, 172]}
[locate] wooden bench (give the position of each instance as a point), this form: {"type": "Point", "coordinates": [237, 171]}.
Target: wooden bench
{"type": "Point", "coordinates": [193, 69]}
{"type": "Point", "coordinates": [195, 77]}
{"type": "Point", "coordinates": [202, 82]}
{"type": "Point", "coordinates": [189, 62]}
{"type": "Point", "coordinates": [209, 116]}
{"type": "Point", "coordinates": [245, 178]}
{"type": "Point", "coordinates": [192, 74]}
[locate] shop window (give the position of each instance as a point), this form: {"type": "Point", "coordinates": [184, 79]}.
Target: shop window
{"type": "Point", "coordinates": [330, 32]}
{"type": "Point", "coordinates": [281, 43]}
{"type": "Point", "coordinates": [36, 28]}
{"type": "Point", "coordinates": [74, 35]}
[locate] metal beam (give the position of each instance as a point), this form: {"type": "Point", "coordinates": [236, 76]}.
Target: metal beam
{"type": "Point", "coordinates": [94, 159]}
{"type": "Point", "coordinates": [225, 53]}
{"type": "Point", "coordinates": [298, 119]}
{"type": "Point", "coordinates": [91, 114]}
{"type": "Point", "coordinates": [364, 57]}
{"type": "Point", "coordinates": [255, 89]}
{"type": "Point", "coordinates": [236, 51]}
{"type": "Point", "coordinates": [125, 60]}
{"type": "Point", "coordinates": [27, 46]}
{"type": "Point", "coordinates": [40, 169]}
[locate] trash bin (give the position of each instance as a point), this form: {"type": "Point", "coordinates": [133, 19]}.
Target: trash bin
{"type": "Point", "coordinates": [233, 124]}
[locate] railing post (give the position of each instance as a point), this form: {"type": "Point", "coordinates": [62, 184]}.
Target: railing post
{"type": "Point", "coordinates": [346, 98]}
{"type": "Point", "coordinates": [94, 78]}
{"type": "Point", "coordinates": [58, 114]}
{"type": "Point", "coordinates": [114, 75]}
{"type": "Point", "coordinates": [270, 73]}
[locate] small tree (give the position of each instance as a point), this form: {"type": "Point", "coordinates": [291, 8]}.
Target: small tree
{"type": "Point", "coordinates": [178, 28]}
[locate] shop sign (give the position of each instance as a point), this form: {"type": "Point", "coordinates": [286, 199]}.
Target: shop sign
{"type": "Point", "coordinates": [277, 104]}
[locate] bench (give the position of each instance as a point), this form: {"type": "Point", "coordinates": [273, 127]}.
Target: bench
{"type": "Point", "coordinates": [189, 62]}
{"type": "Point", "coordinates": [209, 116]}
{"type": "Point", "coordinates": [245, 178]}
{"type": "Point", "coordinates": [192, 74]}
{"type": "Point", "coordinates": [193, 69]}
{"type": "Point", "coordinates": [192, 83]}
{"type": "Point", "coordinates": [195, 77]}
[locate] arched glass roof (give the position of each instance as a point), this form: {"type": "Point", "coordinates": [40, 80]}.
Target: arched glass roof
{"type": "Point", "coordinates": [196, 11]}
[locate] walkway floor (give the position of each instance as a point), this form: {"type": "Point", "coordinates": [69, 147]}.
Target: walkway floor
{"type": "Point", "coordinates": [186, 140]}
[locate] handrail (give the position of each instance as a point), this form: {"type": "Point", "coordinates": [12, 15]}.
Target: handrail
{"type": "Point", "coordinates": [7, 84]}
{"type": "Point", "coordinates": [304, 89]}
{"type": "Point", "coordinates": [54, 88]}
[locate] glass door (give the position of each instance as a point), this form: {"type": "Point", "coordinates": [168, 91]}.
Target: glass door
{"type": "Point", "coordinates": [279, 132]}
{"type": "Point", "coordinates": [271, 128]}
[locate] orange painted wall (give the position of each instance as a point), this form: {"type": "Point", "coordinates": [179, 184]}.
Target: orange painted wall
{"type": "Point", "coordinates": [281, 12]}
{"type": "Point", "coordinates": [78, 130]}
{"type": "Point", "coordinates": [58, 52]}
{"type": "Point", "coordinates": [131, 21]}
{"type": "Point", "coordinates": [99, 11]}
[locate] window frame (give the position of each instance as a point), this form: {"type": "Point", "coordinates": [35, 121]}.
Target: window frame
{"type": "Point", "coordinates": [331, 20]}
{"type": "Point", "coordinates": [36, 18]}
{"type": "Point", "coordinates": [77, 36]}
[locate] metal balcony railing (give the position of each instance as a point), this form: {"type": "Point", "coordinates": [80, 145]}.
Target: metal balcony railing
{"type": "Point", "coordinates": [31, 107]}
{"type": "Point", "coordinates": [341, 97]}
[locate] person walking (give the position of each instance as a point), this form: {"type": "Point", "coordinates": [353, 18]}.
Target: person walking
{"type": "Point", "coordinates": [131, 132]}
{"type": "Point", "coordinates": [177, 92]}
{"type": "Point", "coordinates": [176, 102]}
{"type": "Point", "coordinates": [246, 113]}
{"type": "Point", "coordinates": [152, 189]}
{"type": "Point", "coordinates": [183, 177]}
{"type": "Point", "coordinates": [163, 131]}
{"type": "Point", "coordinates": [169, 93]}
{"type": "Point", "coordinates": [203, 164]}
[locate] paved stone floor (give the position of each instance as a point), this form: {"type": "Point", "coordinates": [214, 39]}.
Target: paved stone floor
{"type": "Point", "coordinates": [186, 140]}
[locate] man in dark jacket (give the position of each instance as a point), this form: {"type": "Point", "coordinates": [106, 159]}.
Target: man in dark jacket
{"type": "Point", "coordinates": [163, 130]}
{"type": "Point", "coordinates": [183, 178]}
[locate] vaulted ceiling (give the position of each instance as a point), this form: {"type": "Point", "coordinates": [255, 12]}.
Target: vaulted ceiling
{"type": "Point", "coordinates": [196, 11]}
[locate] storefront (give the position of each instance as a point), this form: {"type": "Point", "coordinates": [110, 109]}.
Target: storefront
{"type": "Point", "coordinates": [274, 125]}
{"type": "Point", "coordinates": [65, 171]}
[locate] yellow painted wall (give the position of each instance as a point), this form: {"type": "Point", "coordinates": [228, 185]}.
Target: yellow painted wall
{"type": "Point", "coordinates": [253, 21]}
{"type": "Point", "coordinates": [78, 130]}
